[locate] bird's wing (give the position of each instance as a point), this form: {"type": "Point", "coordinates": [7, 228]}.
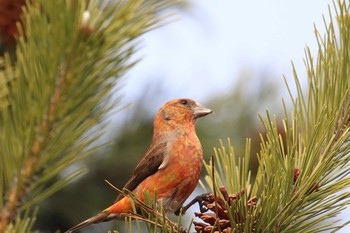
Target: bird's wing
{"type": "Point", "coordinates": [148, 165]}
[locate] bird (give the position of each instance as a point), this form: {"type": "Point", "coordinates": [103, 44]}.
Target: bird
{"type": "Point", "coordinates": [170, 169]}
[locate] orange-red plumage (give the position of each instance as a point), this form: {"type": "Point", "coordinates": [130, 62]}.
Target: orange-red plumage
{"type": "Point", "coordinates": [171, 167]}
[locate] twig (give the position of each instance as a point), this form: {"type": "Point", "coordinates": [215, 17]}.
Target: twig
{"type": "Point", "coordinates": [118, 190]}
{"type": "Point", "coordinates": [21, 186]}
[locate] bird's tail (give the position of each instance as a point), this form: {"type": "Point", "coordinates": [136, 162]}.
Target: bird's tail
{"type": "Point", "coordinates": [100, 217]}
{"type": "Point", "coordinates": [114, 211]}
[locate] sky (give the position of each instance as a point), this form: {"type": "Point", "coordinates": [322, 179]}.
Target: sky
{"type": "Point", "coordinates": [211, 42]}
{"type": "Point", "coordinates": [202, 51]}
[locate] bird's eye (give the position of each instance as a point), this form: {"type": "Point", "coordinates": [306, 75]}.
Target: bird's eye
{"type": "Point", "coordinates": [184, 102]}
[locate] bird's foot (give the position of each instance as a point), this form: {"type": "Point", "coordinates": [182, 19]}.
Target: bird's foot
{"type": "Point", "coordinates": [201, 200]}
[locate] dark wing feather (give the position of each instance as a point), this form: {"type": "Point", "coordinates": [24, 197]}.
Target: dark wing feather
{"type": "Point", "coordinates": [148, 165]}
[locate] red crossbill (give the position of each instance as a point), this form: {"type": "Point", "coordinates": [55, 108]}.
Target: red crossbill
{"type": "Point", "coordinates": [171, 167]}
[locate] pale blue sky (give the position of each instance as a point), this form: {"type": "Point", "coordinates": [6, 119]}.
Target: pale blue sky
{"type": "Point", "coordinates": [203, 51]}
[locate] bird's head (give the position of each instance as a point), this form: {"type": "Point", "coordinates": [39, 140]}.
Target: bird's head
{"type": "Point", "coordinates": [180, 111]}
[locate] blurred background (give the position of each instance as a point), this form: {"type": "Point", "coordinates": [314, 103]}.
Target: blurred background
{"type": "Point", "coordinates": [228, 55]}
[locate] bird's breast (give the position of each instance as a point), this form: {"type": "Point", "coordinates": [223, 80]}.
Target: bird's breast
{"type": "Point", "coordinates": [186, 153]}
{"type": "Point", "coordinates": [178, 175]}
{"type": "Point", "coordinates": [184, 168]}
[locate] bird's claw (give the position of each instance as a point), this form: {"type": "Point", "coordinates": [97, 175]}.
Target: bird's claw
{"type": "Point", "coordinates": [201, 200]}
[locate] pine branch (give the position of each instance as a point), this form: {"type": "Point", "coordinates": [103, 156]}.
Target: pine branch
{"type": "Point", "coordinates": [22, 186]}
{"type": "Point", "coordinates": [69, 56]}
{"type": "Point", "coordinates": [304, 162]}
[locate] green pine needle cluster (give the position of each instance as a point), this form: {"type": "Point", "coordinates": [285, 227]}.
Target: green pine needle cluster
{"type": "Point", "coordinates": [69, 56]}
{"type": "Point", "coordinates": [304, 161]}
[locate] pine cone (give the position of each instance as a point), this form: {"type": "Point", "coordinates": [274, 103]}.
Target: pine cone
{"type": "Point", "coordinates": [10, 12]}
{"type": "Point", "coordinates": [215, 217]}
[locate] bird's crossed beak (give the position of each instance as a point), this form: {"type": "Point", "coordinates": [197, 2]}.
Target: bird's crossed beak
{"type": "Point", "coordinates": [200, 111]}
